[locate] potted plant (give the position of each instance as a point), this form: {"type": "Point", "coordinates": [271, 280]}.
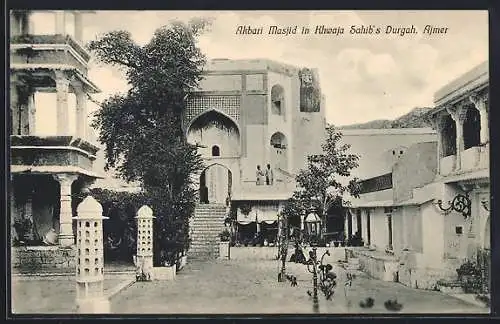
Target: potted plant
{"type": "Point", "coordinates": [225, 237]}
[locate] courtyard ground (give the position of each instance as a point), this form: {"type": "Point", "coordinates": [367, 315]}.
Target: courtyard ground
{"type": "Point", "coordinates": [251, 287]}
{"type": "Point", "coordinates": [232, 287]}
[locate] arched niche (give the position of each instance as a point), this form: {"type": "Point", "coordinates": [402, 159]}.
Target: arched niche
{"type": "Point", "coordinates": [214, 128]}
{"type": "Point", "coordinates": [279, 151]}
{"type": "Point", "coordinates": [277, 100]}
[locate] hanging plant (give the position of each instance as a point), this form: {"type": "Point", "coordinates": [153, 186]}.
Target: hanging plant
{"type": "Point", "coordinates": [246, 209]}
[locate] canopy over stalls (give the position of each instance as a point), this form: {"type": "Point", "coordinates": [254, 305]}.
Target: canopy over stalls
{"type": "Point", "coordinates": [260, 213]}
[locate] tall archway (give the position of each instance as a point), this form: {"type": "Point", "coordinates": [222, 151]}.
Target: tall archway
{"type": "Point", "coordinates": [213, 128]}
{"type": "Point", "coordinates": [215, 184]}
{"type": "Point", "coordinates": [279, 151]}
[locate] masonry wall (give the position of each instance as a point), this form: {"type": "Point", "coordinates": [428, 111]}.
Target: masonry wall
{"type": "Point", "coordinates": [415, 168]}
{"type": "Point", "coordinates": [372, 147]}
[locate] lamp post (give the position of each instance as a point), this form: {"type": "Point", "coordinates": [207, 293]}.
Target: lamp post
{"type": "Point", "coordinates": [314, 262]}
{"type": "Point", "coordinates": [283, 248]}
{"type": "Point", "coordinates": [326, 278]}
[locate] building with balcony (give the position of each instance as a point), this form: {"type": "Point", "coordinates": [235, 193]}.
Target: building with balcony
{"type": "Point", "coordinates": [428, 213]}
{"type": "Point", "coordinates": [51, 154]}
{"type": "Point", "coordinates": [251, 114]}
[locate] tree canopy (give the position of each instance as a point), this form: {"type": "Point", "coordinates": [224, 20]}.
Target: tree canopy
{"type": "Point", "coordinates": [142, 130]}
{"type": "Point", "coordinates": [326, 180]}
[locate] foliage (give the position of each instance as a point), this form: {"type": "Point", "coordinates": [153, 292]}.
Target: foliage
{"type": "Point", "coordinates": [121, 227]}
{"type": "Point", "coordinates": [469, 268]}
{"type": "Point", "coordinates": [326, 179]}
{"type": "Point", "coordinates": [245, 208]}
{"type": "Point", "coordinates": [142, 129]}
{"type": "Point", "coordinates": [469, 275]}
{"type": "Point", "coordinates": [225, 236]}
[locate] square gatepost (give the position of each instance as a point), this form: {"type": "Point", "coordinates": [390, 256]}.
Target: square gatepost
{"type": "Point", "coordinates": [144, 243]}
{"type": "Point", "coordinates": [90, 297]}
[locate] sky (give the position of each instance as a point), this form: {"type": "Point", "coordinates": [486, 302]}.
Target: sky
{"type": "Point", "coordinates": [363, 77]}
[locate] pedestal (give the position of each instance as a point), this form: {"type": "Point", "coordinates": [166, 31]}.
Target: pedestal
{"type": "Point", "coordinates": [224, 250]}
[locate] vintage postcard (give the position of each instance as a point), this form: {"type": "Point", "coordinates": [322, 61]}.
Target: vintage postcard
{"type": "Point", "coordinates": [249, 162]}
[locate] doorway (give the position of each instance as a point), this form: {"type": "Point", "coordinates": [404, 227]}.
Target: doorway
{"type": "Point", "coordinates": [215, 184]}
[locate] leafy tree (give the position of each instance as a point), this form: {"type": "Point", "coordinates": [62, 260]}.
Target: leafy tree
{"type": "Point", "coordinates": [325, 180]}
{"type": "Point", "coordinates": [142, 130]}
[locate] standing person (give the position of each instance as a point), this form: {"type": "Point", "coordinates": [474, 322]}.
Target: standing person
{"type": "Point", "coordinates": [259, 175]}
{"type": "Point", "coordinates": [269, 175]}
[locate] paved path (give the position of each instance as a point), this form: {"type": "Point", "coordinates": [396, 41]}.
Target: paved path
{"type": "Point", "coordinates": [246, 287]}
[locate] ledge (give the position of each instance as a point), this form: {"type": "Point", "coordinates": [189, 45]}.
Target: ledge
{"type": "Point", "coordinates": [54, 170]}
{"type": "Point", "coordinates": [33, 141]}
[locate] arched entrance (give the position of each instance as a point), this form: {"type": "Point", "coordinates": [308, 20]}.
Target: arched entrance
{"type": "Point", "coordinates": [279, 153]}
{"type": "Point", "coordinates": [215, 184]}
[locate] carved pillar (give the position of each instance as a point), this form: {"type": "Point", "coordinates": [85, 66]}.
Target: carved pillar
{"type": "Point", "coordinates": [458, 115]}
{"type": "Point", "coordinates": [14, 109]}
{"type": "Point", "coordinates": [480, 104]}
{"type": "Point", "coordinates": [81, 112]}
{"type": "Point", "coordinates": [66, 237]}
{"type": "Point", "coordinates": [60, 22]}
{"type": "Point", "coordinates": [439, 123]}
{"type": "Point", "coordinates": [31, 114]}
{"type": "Point", "coordinates": [62, 88]}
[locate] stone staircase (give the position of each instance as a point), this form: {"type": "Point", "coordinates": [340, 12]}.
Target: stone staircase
{"type": "Point", "coordinates": [207, 223]}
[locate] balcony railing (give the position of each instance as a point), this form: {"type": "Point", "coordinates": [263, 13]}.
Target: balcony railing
{"type": "Point", "coordinates": [473, 158]}
{"type": "Point", "coordinates": [447, 165]}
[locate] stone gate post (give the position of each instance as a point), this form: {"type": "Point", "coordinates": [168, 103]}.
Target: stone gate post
{"type": "Point", "coordinates": [90, 258]}
{"type": "Point", "coordinates": [144, 260]}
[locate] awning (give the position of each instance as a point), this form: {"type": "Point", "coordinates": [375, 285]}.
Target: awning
{"type": "Point", "coordinates": [242, 222]}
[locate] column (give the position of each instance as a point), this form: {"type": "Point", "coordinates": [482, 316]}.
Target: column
{"type": "Point", "coordinates": [60, 22]}
{"type": "Point", "coordinates": [480, 104]}
{"type": "Point", "coordinates": [66, 237]}
{"type": "Point", "coordinates": [14, 108]}
{"type": "Point", "coordinates": [31, 114]}
{"type": "Point", "coordinates": [81, 112]}
{"type": "Point", "coordinates": [13, 210]}
{"type": "Point", "coordinates": [78, 27]}
{"type": "Point", "coordinates": [439, 123]}
{"type": "Point", "coordinates": [28, 211]}
{"type": "Point", "coordinates": [62, 88]}
{"type": "Point", "coordinates": [458, 115]}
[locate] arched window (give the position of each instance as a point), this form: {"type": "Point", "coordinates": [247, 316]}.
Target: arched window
{"type": "Point", "coordinates": [448, 136]}
{"type": "Point", "coordinates": [215, 150]}
{"type": "Point", "coordinates": [472, 128]}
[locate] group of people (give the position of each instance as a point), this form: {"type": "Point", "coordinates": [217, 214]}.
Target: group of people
{"type": "Point", "coordinates": [264, 176]}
